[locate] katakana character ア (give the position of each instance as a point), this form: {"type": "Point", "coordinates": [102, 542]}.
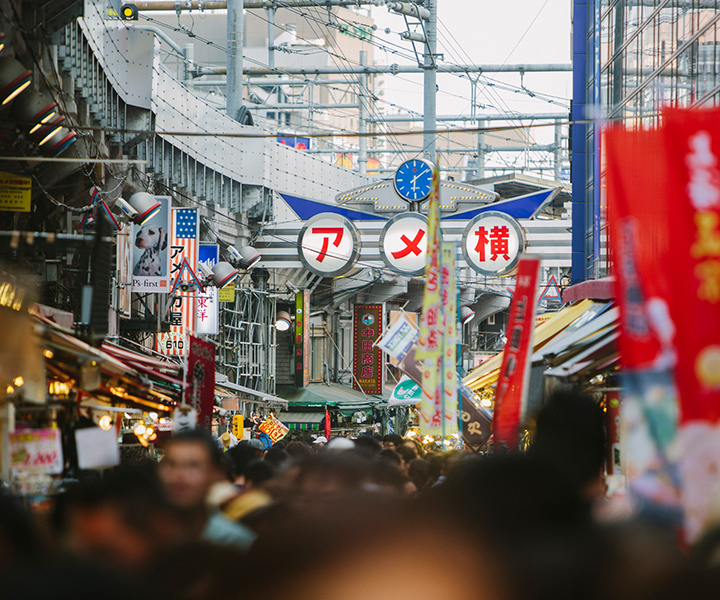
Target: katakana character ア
{"type": "Point", "coordinates": [327, 232]}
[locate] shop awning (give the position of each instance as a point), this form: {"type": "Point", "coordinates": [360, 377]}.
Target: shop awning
{"type": "Point", "coordinates": [340, 396]}
{"type": "Point", "coordinates": [302, 420]}
{"type": "Point", "coordinates": [488, 373]}
{"type": "Point", "coordinates": [258, 397]}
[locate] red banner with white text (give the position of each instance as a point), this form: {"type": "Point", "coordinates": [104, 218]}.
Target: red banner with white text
{"type": "Point", "coordinates": [511, 389]}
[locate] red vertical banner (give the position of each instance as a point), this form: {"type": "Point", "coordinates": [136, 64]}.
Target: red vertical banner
{"type": "Point", "coordinates": [511, 389]}
{"type": "Point", "coordinates": [693, 144]}
{"type": "Point", "coordinates": [200, 393]}
{"type": "Point", "coordinates": [367, 358]}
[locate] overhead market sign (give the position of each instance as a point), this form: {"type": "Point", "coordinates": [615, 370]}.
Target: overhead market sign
{"type": "Point", "coordinates": [329, 244]}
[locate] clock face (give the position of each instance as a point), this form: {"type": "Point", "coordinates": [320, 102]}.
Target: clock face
{"type": "Point", "coordinates": [413, 179]}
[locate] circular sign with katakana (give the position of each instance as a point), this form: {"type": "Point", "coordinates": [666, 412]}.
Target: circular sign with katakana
{"type": "Point", "coordinates": [403, 243]}
{"type": "Point", "coordinates": [328, 245]}
{"type": "Point", "coordinates": [493, 243]}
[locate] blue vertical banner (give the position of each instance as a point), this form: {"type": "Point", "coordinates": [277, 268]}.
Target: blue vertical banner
{"type": "Point", "coordinates": [207, 304]}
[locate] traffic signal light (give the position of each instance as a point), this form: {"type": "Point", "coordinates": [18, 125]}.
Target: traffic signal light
{"type": "Point", "coordinates": [129, 12]}
{"type": "Point", "coordinates": [237, 426]}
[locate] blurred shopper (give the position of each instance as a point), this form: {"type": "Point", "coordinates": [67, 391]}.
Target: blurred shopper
{"type": "Point", "coordinates": [193, 463]}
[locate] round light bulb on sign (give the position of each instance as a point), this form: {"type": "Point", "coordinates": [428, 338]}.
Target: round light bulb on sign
{"type": "Point", "coordinates": [328, 245]}
{"type": "Point", "coordinates": [403, 243]}
{"type": "Point", "coordinates": [492, 244]}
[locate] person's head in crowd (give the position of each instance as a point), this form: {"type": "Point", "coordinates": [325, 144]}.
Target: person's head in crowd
{"type": "Point", "coordinates": [121, 520]}
{"type": "Point", "coordinates": [414, 445]}
{"type": "Point", "coordinates": [320, 442]}
{"type": "Point", "coordinates": [368, 445]}
{"type": "Point", "coordinates": [329, 474]}
{"type": "Point", "coordinates": [391, 441]}
{"type": "Point", "coordinates": [340, 444]}
{"type": "Point", "coordinates": [570, 436]}
{"type": "Point", "coordinates": [407, 454]}
{"type": "Point", "coordinates": [277, 457]}
{"type": "Point", "coordinates": [298, 450]}
{"type": "Point", "coordinates": [192, 464]}
{"type": "Point", "coordinates": [239, 456]}
{"type": "Point", "coordinates": [386, 475]}
{"type": "Point", "coordinates": [419, 473]}
{"type": "Point", "coordinates": [258, 472]}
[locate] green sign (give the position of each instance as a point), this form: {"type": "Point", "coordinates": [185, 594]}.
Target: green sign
{"type": "Point", "coordinates": [361, 32]}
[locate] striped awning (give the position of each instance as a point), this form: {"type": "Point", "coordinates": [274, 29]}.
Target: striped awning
{"type": "Point", "coordinates": [302, 420]}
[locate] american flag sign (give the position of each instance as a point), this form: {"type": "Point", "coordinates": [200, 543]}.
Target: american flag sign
{"type": "Point", "coordinates": [184, 235]}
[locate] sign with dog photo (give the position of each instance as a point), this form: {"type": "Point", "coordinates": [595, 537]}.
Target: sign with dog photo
{"type": "Point", "coordinates": [151, 252]}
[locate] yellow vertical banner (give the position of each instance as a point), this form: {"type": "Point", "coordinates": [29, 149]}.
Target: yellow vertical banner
{"type": "Point", "coordinates": [429, 349]}
{"type": "Point", "coordinates": [448, 293]}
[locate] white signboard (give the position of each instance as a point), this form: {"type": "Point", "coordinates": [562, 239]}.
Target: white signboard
{"type": "Point", "coordinates": [397, 340]}
{"type": "Point", "coordinates": [492, 244]}
{"type": "Point", "coordinates": [403, 243]}
{"type": "Point", "coordinates": [151, 252]}
{"type": "Point", "coordinates": [125, 264]}
{"type": "Point", "coordinates": [206, 304]}
{"type": "Point", "coordinates": [328, 245]}
{"type": "Point", "coordinates": [36, 451]}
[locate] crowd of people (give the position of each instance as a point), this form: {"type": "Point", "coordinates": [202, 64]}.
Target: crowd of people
{"type": "Point", "coordinates": [357, 518]}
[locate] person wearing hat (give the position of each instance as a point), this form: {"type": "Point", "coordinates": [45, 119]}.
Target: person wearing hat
{"type": "Point", "coordinates": [228, 440]}
{"type": "Point", "coordinates": [320, 441]}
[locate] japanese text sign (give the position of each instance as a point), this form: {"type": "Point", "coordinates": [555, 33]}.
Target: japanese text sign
{"type": "Point", "coordinates": [511, 388]}
{"type": "Point", "coordinates": [15, 192]}
{"type": "Point", "coordinates": [301, 360]}
{"type": "Point", "coordinates": [206, 303]}
{"type": "Point", "coordinates": [328, 245]}
{"type": "Point", "coordinates": [274, 428]}
{"type": "Point", "coordinates": [367, 358]}
{"type": "Point", "coordinates": [403, 243]}
{"type": "Point", "coordinates": [200, 392]}
{"type": "Point", "coordinates": [36, 451]}
{"type": "Point", "coordinates": [492, 243]}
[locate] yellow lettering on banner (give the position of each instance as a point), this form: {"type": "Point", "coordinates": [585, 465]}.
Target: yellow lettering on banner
{"type": "Point", "coordinates": [708, 236]}
{"type": "Point", "coordinates": [708, 273]}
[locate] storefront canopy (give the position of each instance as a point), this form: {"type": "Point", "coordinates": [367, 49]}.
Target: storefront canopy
{"type": "Point", "coordinates": [340, 396]}
{"type": "Point", "coordinates": [254, 395]}
{"type": "Point", "coordinates": [302, 420]}
{"type": "Point", "coordinates": [488, 372]}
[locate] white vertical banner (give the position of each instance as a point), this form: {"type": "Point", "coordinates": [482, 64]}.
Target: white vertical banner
{"type": "Point", "coordinates": [206, 304]}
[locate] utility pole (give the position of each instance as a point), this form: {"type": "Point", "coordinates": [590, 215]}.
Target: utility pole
{"type": "Point", "coordinates": [430, 82]}
{"type": "Point", "coordinates": [235, 43]}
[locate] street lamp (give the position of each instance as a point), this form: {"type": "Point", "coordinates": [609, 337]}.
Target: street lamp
{"type": "Point", "coordinates": [283, 321]}
{"type": "Point", "coordinates": [140, 208]}
{"type": "Point", "coordinates": [222, 274]}
{"type": "Point", "coordinates": [14, 78]}
{"type": "Point", "coordinates": [247, 256]}
{"type": "Point", "coordinates": [467, 314]}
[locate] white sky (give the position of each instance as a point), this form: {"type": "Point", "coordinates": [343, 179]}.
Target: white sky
{"type": "Point", "coordinates": [487, 32]}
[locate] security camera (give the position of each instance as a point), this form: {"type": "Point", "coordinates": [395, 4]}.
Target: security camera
{"type": "Point", "coordinates": [293, 288]}
{"type": "Point", "coordinates": [235, 253]}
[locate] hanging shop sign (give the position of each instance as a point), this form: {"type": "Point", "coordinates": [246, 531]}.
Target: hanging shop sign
{"type": "Point", "coordinates": [184, 236]}
{"type": "Point", "coordinates": [274, 428]}
{"type": "Point", "coordinates": [207, 303]}
{"type": "Point", "coordinates": [36, 451]}
{"type": "Point", "coordinates": [367, 358]}
{"type": "Point", "coordinates": [302, 338]}
{"type": "Point", "coordinates": [227, 294]}
{"type": "Point", "coordinates": [200, 393]}
{"type": "Point", "coordinates": [492, 244]}
{"type": "Point", "coordinates": [406, 393]}
{"type": "Point", "coordinates": [403, 243]}
{"type": "Point", "coordinates": [151, 252]}
{"type": "Point", "coordinates": [400, 336]}
{"type": "Point", "coordinates": [15, 192]}
{"type": "Point", "coordinates": [328, 245]}
{"type": "Point", "coordinates": [476, 425]}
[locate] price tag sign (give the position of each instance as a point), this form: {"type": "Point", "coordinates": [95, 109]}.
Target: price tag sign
{"type": "Point", "coordinates": [36, 451]}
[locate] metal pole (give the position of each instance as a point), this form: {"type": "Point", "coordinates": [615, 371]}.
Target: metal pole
{"type": "Point", "coordinates": [234, 90]}
{"type": "Point", "coordinates": [430, 83]}
{"type": "Point", "coordinates": [557, 157]}
{"type": "Point", "coordinates": [481, 150]}
{"type": "Point", "coordinates": [362, 129]}
{"type": "Point", "coordinates": [270, 12]}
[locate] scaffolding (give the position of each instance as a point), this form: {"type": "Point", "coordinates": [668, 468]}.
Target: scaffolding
{"type": "Point", "coordinates": [247, 338]}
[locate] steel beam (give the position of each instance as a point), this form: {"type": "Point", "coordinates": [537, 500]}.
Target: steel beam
{"type": "Point", "coordinates": [396, 69]}
{"type": "Point", "coordinates": [251, 4]}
